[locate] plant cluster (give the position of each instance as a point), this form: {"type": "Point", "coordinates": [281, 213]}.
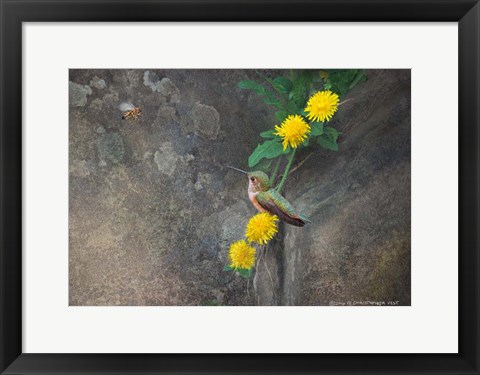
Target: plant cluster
{"type": "Point", "coordinates": [261, 228]}
{"type": "Point", "coordinates": [304, 103]}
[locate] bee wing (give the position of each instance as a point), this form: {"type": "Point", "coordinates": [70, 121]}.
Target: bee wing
{"type": "Point", "coordinates": [126, 107]}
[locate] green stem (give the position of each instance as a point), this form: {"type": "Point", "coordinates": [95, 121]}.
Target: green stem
{"type": "Point", "coordinates": [275, 170]}
{"type": "Point", "coordinates": [287, 169]}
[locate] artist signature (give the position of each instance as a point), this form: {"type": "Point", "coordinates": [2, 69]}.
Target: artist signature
{"type": "Point", "coordinates": [364, 303]}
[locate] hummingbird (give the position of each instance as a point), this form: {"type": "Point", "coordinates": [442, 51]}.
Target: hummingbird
{"type": "Point", "coordinates": [266, 199]}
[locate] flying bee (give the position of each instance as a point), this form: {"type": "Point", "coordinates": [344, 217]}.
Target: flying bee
{"type": "Point", "coordinates": [129, 111]}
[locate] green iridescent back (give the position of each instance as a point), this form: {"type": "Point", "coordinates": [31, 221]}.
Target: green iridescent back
{"type": "Point", "coordinates": [280, 202]}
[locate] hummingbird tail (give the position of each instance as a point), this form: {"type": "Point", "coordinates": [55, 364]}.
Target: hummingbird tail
{"type": "Point", "coordinates": [305, 219]}
{"type": "Point", "coordinates": [297, 220]}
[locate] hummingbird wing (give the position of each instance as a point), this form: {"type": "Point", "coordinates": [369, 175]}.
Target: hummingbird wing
{"type": "Point", "coordinates": [274, 203]}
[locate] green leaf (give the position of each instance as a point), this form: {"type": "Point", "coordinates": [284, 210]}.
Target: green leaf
{"type": "Point", "coordinates": [268, 134]}
{"type": "Point", "coordinates": [268, 149]}
{"type": "Point", "coordinates": [302, 112]}
{"type": "Point", "coordinates": [244, 273]}
{"type": "Point", "coordinates": [264, 165]}
{"type": "Point", "coordinates": [301, 88]}
{"type": "Point", "coordinates": [326, 141]}
{"type": "Point", "coordinates": [332, 132]}
{"type": "Point", "coordinates": [293, 107]}
{"type": "Point", "coordinates": [361, 77]}
{"type": "Point", "coordinates": [317, 129]}
{"type": "Point", "coordinates": [270, 99]}
{"type": "Point", "coordinates": [281, 115]}
{"type": "Point", "coordinates": [282, 84]}
{"type": "Point", "coordinates": [342, 80]}
{"type": "Point", "coordinates": [252, 85]}
{"type": "Point", "coordinates": [317, 77]}
{"type": "Point", "coordinates": [268, 96]}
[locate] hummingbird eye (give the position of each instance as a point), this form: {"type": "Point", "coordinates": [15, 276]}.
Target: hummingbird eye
{"type": "Point", "coordinates": [252, 179]}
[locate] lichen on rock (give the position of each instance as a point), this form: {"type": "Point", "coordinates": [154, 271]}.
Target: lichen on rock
{"type": "Point", "coordinates": [205, 120]}
{"type": "Point", "coordinates": [79, 168]}
{"type": "Point", "coordinates": [78, 94]}
{"type": "Point", "coordinates": [167, 159]}
{"type": "Point", "coordinates": [110, 147]}
{"type": "Point", "coordinates": [163, 86]}
{"type": "Point", "coordinates": [169, 90]}
{"type": "Point", "coordinates": [98, 83]}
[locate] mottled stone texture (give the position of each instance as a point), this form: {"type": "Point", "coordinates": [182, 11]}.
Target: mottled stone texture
{"type": "Point", "coordinates": [153, 210]}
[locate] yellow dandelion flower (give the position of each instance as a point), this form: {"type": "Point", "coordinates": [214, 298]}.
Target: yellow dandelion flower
{"type": "Point", "coordinates": [294, 130]}
{"type": "Point", "coordinates": [261, 228]}
{"type": "Point", "coordinates": [322, 106]}
{"type": "Point", "coordinates": [241, 255]}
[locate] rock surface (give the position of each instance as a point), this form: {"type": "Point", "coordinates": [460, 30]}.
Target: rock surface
{"type": "Point", "coordinates": [153, 209]}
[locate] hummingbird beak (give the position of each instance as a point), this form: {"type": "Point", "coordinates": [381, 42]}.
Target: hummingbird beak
{"type": "Point", "coordinates": [236, 169]}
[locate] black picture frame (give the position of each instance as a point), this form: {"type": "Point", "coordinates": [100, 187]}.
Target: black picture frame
{"type": "Point", "coordinates": [14, 12]}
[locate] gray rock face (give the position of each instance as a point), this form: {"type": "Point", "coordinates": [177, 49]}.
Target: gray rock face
{"type": "Point", "coordinates": [153, 210]}
{"type": "Point", "coordinates": [357, 249]}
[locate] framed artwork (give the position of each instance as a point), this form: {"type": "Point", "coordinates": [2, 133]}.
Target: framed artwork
{"type": "Point", "coordinates": [247, 187]}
